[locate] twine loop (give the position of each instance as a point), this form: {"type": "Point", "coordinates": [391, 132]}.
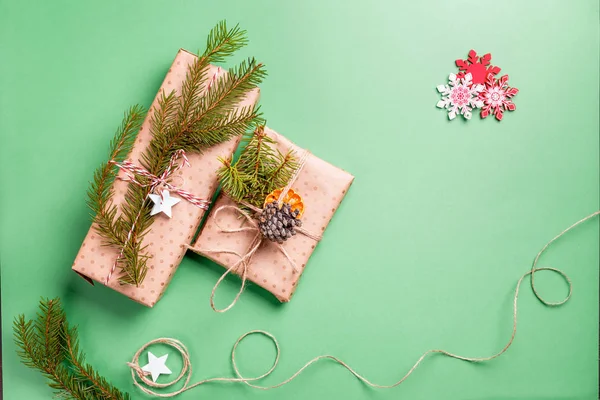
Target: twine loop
{"type": "Point", "coordinates": [187, 367]}
{"type": "Point", "coordinates": [251, 225]}
{"type": "Point", "coordinates": [565, 277]}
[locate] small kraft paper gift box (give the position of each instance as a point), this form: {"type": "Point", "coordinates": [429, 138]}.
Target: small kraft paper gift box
{"type": "Point", "coordinates": [167, 239]}
{"type": "Point", "coordinates": [254, 244]}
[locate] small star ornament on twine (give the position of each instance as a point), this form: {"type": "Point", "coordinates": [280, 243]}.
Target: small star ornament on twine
{"type": "Point", "coordinates": [163, 203]}
{"type": "Point", "coordinates": [476, 87]}
{"type": "Point", "coordinates": [156, 366]}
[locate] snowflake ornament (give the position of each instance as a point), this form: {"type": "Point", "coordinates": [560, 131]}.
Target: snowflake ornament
{"type": "Point", "coordinates": [478, 67]}
{"type": "Point", "coordinates": [460, 96]}
{"type": "Point", "coordinates": [497, 96]}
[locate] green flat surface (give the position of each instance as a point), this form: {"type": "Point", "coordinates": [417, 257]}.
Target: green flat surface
{"type": "Point", "coordinates": [424, 252]}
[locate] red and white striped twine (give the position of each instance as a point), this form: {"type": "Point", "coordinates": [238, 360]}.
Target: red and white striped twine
{"type": "Point", "coordinates": [132, 171]}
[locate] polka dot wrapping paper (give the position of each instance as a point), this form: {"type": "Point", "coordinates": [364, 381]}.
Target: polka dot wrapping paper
{"type": "Point", "coordinates": [168, 238]}
{"type": "Point", "coordinates": [322, 187]}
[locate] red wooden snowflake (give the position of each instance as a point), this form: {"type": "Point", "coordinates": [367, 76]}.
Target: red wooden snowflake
{"type": "Point", "coordinates": [496, 97]}
{"type": "Point", "coordinates": [478, 67]}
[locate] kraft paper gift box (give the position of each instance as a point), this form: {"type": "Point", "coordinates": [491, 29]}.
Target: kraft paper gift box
{"type": "Point", "coordinates": [322, 187]}
{"type": "Point", "coordinates": [168, 238]}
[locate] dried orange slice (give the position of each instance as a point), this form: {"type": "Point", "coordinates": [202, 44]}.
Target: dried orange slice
{"type": "Point", "coordinates": [292, 198]}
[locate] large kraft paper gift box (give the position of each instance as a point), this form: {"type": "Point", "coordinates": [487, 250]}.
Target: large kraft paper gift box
{"type": "Point", "coordinates": [322, 187]}
{"type": "Point", "coordinates": [168, 238]}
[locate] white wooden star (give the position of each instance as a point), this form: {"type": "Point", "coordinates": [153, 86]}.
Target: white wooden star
{"type": "Point", "coordinates": [156, 366]}
{"type": "Point", "coordinates": [163, 203]}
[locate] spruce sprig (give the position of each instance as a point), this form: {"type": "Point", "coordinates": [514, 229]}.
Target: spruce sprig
{"type": "Point", "coordinates": [258, 171]}
{"type": "Point", "coordinates": [215, 126]}
{"type": "Point", "coordinates": [48, 344]}
{"type": "Point", "coordinates": [100, 192]}
{"type": "Point", "coordinates": [191, 120]}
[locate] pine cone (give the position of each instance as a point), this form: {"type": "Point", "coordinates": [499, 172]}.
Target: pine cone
{"type": "Point", "coordinates": [278, 224]}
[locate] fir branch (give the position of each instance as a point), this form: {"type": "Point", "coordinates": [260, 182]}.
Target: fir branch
{"type": "Point", "coordinates": [191, 91]}
{"type": "Point", "coordinates": [136, 218]}
{"type": "Point", "coordinates": [259, 170]}
{"type": "Point", "coordinates": [136, 212]}
{"type": "Point", "coordinates": [215, 128]}
{"type": "Point", "coordinates": [49, 326]}
{"type": "Point", "coordinates": [100, 191]}
{"type": "Point", "coordinates": [257, 154]}
{"type": "Point", "coordinates": [164, 116]}
{"type": "Point", "coordinates": [170, 113]}
{"type": "Point", "coordinates": [222, 42]}
{"type": "Point", "coordinates": [26, 340]}
{"type": "Point", "coordinates": [281, 173]}
{"type": "Point", "coordinates": [232, 182]}
{"type": "Point", "coordinates": [43, 344]}
{"type": "Point", "coordinates": [230, 89]}
{"type": "Point", "coordinates": [84, 373]}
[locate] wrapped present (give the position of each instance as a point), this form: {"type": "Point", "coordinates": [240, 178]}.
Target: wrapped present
{"type": "Point", "coordinates": [166, 241]}
{"type": "Point", "coordinates": [238, 235]}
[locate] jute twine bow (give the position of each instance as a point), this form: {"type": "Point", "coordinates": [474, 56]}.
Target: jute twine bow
{"type": "Point", "coordinates": [187, 366]}
{"type": "Point", "coordinates": [133, 171]}
{"type": "Point", "coordinates": [257, 241]}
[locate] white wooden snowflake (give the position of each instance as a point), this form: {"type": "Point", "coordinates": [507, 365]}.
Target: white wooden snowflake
{"type": "Point", "coordinates": [460, 96]}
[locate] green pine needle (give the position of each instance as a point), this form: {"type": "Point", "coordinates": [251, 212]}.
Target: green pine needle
{"type": "Point", "coordinates": [100, 192]}
{"type": "Point", "coordinates": [259, 170]}
{"type": "Point", "coordinates": [222, 42]}
{"type": "Point", "coordinates": [48, 344]}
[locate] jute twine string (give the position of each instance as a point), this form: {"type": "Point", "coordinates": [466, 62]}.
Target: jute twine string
{"type": "Point", "coordinates": [187, 366]}
{"type": "Point", "coordinates": [245, 259]}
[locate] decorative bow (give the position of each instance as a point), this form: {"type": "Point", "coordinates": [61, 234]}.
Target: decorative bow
{"type": "Point", "coordinates": [131, 170]}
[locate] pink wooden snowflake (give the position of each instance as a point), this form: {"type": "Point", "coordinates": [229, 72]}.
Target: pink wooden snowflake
{"type": "Point", "coordinates": [496, 97]}
{"type": "Point", "coordinates": [478, 67]}
{"type": "Point", "coordinates": [460, 96]}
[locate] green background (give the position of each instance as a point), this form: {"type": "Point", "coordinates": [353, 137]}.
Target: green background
{"type": "Point", "coordinates": [424, 252]}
